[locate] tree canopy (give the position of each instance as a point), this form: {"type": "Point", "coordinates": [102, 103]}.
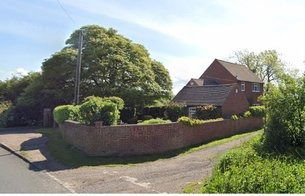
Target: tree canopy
{"type": "Point", "coordinates": [266, 64]}
{"type": "Point", "coordinates": [112, 65]}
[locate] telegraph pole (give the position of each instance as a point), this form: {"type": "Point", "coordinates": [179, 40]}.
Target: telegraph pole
{"type": "Point", "coordinates": [78, 68]}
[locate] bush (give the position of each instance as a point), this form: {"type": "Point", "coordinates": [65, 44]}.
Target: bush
{"type": "Point", "coordinates": [116, 100]}
{"type": "Point", "coordinates": [128, 116]}
{"type": "Point", "coordinates": [175, 111]}
{"type": "Point", "coordinates": [257, 111]}
{"type": "Point", "coordinates": [155, 112]}
{"type": "Point", "coordinates": [154, 121]}
{"type": "Point", "coordinates": [208, 112]}
{"type": "Point", "coordinates": [96, 109]}
{"type": "Point", "coordinates": [285, 109]}
{"type": "Point", "coordinates": [247, 114]}
{"type": "Point", "coordinates": [251, 169]}
{"type": "Point", "coordinates": [234, 117]}
{"type": "Point", "coordinates": [66, 112]}
{"type": "Point", "coordinates": [191, 121]}
{"type": "Point", "coordinates": [6, 109]}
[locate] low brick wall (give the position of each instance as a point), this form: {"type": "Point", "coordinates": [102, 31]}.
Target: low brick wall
{"type": "Point", "coordinates": [149, 139]}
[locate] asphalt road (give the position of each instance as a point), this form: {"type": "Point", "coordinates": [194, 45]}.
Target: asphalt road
{"type": "Point", "coordinates": [16, 177]}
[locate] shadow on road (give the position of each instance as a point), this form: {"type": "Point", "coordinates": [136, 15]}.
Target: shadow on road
{"type": "Point", "coordinates": [40, 146]}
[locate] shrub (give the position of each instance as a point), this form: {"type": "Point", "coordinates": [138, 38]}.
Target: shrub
{"type": "Point", "coordinates": [116, 100]}
{"type": "Point", "coordinates": [251, 169]}
{"type": "Point", "coordinates": [234, 117]}
{"type": "Point", "coordinates": [208, 112]}
{"type": "Point", "coordinates": [285, 109]}
{"type": "Point", "coordinates": [154, 121]}
{"type": "Point", "coordinates": [175, 111]}
{"type": "Point", "coordinates": [257, 111]}
{"type": "Point", "coordinates": [155, 112]}
{"type": "Point", "coordinates": [247, 114]}
{"type": "Point", "coordinates": [96, 109]}
{"type": "Point", "coordinates": [65, 112]}
{"type": "Point", "coordinates": [191, 121]}
{"type": "Point", "coordinates": [6, 109]}
{"type": "Point", "coordinates": [128, 115]}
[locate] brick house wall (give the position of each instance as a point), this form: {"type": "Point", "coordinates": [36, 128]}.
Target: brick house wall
{"type": "Point", "coordinates": [252, 97]}
{"type": "Point", "coordinates": [236, 103]}
{"type": "Point", "coordinates": [216, 72]}
{"type": "Point", "coordinates": [149, 139]}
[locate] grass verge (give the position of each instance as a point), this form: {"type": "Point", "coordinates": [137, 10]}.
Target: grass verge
{"type": "Point", "coordinates": [252, 168]}
{"type": "Point", "coordinates": [72, 157]}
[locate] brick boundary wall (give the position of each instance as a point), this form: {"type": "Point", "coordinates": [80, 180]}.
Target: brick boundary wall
{"type": "Point", "coordinates": [150, 139]}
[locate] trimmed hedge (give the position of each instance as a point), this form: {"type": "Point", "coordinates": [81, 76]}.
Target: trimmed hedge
{"type": "Point", "coordinates": [191, 121]}
{"type": "Point", "coordinates": [208, 112]}
{"type": "Point", "coordinates": [91, 110]}
{"type": "Point", "coordinates": [66, 112]}
{"type": "Point", "coordinates": [247, 114]}
{"type": "Point", "coordinates": [98, 110]}
{"type": "Point", "coordinates": [154, 121]}
{"type": "Point", "coordinates": [175, 111]}
{"type": "Point", "coordinates": [257, 111]}
{"type": "Point", "coordinates": [234, 117]}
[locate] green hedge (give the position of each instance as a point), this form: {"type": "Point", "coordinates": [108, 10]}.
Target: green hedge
{"type": "Point", "coordinates": [66, 112]}
{"type": "Point", "coordinates": [208, 112]}
{"type": "Point", "coordinates": [257, 111]}
{"type": "Point", "coordinates": [234, 117]}
{"type": "Point", "coordinates": [154, 121]}
{"type": "Point", "coordinates": [5, 113]}
{"type": "Point", "coordinates": [98, 110]}
{"type": "Point", "coordinates": [247, 114]}
{"type": "Point", "coordinates": [175, 111]}
{"type": "Point", "coordinates": [91, 110]}
{"type": "Point", "coordinates": [191, 121]}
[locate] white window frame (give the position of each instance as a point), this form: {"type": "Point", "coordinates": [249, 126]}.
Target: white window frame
{"type": "Point", "coordinates": [243, 86]}
{"type": "Point", "coordinates": [192, 111]}
{"type": "Point", "coordinates": [256, 88]}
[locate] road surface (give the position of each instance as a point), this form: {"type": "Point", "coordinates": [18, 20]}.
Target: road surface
{"type": "Point", "coordinates": [16, 177]}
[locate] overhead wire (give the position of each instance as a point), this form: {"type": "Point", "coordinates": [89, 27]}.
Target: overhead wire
{"type": "Point", "coordinates": [66, 12]}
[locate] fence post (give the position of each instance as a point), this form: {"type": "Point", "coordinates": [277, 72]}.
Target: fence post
{"type": "Point", "coordinates": [47, 117]}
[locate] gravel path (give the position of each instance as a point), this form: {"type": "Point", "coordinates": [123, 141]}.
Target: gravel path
{"type": "Point", "coordinates": [161, 176]}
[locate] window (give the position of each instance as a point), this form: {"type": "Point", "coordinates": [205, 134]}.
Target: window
{"type": "Point", "coordinates": [255, 87]}
{"type": "Point", "coordinates": [242, 86]}
{"type": "Point", "coordinates": [192, 111]}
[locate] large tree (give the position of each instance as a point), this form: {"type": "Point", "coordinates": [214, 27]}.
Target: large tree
{"type": "Point", "coordinates": [266, 64]}
{"type": "Point", "coordinates": [12, 88]}
{"type": "Point", "coordinates": [112, 65]}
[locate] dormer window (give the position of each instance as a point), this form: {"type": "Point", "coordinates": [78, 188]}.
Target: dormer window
{"type": "Point", "coordinates": [242, 86]}
{"type": "Point", "coordinates": [256, 87]}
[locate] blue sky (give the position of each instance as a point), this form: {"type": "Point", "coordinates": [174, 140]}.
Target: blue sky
{"type": "Point", "coordinates": [185, 35]}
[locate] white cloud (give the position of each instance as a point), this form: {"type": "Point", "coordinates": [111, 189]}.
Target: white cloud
{"type": "Point", "coordinates": [21, 71]}
{"type": "Point", "coordinates": [215, 29]}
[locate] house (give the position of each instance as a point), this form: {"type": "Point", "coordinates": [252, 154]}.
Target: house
{"type": "Point", "coordinates": [231, 86]}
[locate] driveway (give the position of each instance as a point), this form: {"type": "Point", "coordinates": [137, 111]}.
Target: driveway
{"type": "Point", "coordinates": [162, 176]}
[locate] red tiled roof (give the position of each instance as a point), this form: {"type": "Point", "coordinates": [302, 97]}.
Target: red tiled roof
{"type": "Point", "coordinates": [241, 72]}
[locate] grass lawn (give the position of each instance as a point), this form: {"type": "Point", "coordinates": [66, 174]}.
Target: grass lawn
{"type": "Point", "coordinates": [252, 168]}
{"type": "Point", "coordinates": [72, 157]}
